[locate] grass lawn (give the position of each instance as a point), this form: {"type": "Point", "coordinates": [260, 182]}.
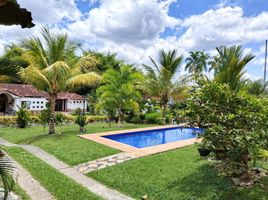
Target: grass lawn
{"type": "Point", "coordinates": [175, 175]}
{"type": "Point", "coordinates": [59, 185]}
{"type": "Point", "coordinates": [66, 146]}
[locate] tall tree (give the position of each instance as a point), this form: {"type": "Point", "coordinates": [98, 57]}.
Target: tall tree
{"type": "Point", "coordinates": [119, 91]}
{"type": "Point", "coordinates": [9, 71]}
{"type": "Point", "coordinates": [163, 81]}
{"type": "Point", "coordinates": [196, 63]}
{"type": "Point", "coordinates": [106, 61]}
{"type": "Point", "coordinates": [54, 67]}
{"type": "Point", "coordinates": [11, 63]}
{"type": "Point", "coordinates": [229, 66]}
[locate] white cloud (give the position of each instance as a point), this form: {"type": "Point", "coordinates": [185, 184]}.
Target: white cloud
{"type": "Point", "coordinates": [137, 23]}
{"type": "Point", "coordinates": [223, 26]}
{"type": "Point", "coordinates": [131, 28]}
{"type": "Point", "coordinates": [51, 11]}
{"type": "Point", "coordinates": [251, 77]}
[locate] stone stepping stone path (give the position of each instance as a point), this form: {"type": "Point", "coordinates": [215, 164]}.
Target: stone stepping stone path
{"type": "Point", "coordinates": [104, 162]}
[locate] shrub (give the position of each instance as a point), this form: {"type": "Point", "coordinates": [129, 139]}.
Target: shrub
{"type": "Point", "coordinates": [236, 124]}
{"type": "Point", "coordinates": [23, 117]}
{"type": "Point", "coordinates": [8, 120]}
{"type": "Point", "coordinates": [91, 119]}
{"type": "Point", "coordinates": [69, 118]}
{"type": "Point", "coordinates": [153, 118]}
{"type": "Point", "coordinates": [45, 116]}
{"type": "Point", "coordinates": [59, 118]}
{"type": "Point", "coordinates": [35, 119]}
{"type": "Point", "coordinates": [78, 111]}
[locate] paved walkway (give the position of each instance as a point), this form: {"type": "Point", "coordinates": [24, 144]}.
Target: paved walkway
{"type": "Point", "coordinates": [90, 184]}
{"type": "Point", "coordinates": [31, 186]}
{"type": "Point", "coordinates": [104, 162]}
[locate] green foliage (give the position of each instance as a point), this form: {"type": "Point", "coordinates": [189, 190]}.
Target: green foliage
{"type": "Point", "coordinates": [196, 63]}
{"type": "Point", "coordinates": [81, 120]}
{"type": "Point", "coordinates": [8, 120]}
{"type": "Point", "coordinates": [95, 118]}
{"type": "Point", "coordinates": [119, 92]}
{"type": "Point", "coordinates": [53, 66]}
{"type": "Point", "coordinates": [154, 118]}
{"type": "Point", "coordinates": [45, 116]}
{"type": "Point", "coordinates": [229, 66]}
{"type": "Point", "coordinates": [162, 82]}
{"type": "Point", "coordinates": [236, 123]}
{"type": "Point", "coordinates": [23, 117]}
{"type": "Point", "coordinates": [59, 118]}
{"type": "Point", "coordinates": [78, 111]}
{"type": "Point", "coordinates": [8, 174]}
{"type": "Point", "coordinates": [257, 88]}
{"type": "Point", "coordinates": [106, 61]}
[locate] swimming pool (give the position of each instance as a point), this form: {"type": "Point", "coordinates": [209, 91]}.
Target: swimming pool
{"type": "Point", "coordinates": [149, 138]}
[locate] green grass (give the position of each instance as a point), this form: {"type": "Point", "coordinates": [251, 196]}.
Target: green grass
{"type": "Point", "coordinates": [175, 175]}
{"type": "Point", "coordinates": [66, 146]}
{"type": "Point", "coordinates": [59, 185]}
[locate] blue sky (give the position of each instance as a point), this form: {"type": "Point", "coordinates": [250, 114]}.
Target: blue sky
{"type": "Point", "coordinates": [136, 29]}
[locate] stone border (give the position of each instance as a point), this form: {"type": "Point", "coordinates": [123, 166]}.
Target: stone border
{"type": "Point", "coordinates": [138, 152]}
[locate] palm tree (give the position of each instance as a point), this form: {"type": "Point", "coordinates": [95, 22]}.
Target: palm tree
{"type": "Point", "coordinates": [119, 92]}
{"type": "Point", "coordinates": [196, 63]}
{"type": "Point", "coordinates": [229, 66]}
{"type": "Point", "coordinates": [163, 81]}
{"type": "Point", "coordinates": [9, 70]}
{"type": "Point", "coordinates": [54, 67]}
{"type": "Point", "coordinates": [8, 174]}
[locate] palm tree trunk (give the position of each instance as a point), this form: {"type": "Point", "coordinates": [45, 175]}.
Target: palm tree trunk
{"type": "Point", "coordinates": [119, 115]}
{"type": "Point", "coordinates": [164, 113]}
{"type": "Point", "coordinates": [51, 129]}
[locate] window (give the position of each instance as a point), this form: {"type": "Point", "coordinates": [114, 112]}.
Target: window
{"type": "Point", "coordinates": [73, 101]}
{"type": "Point", "coordinates": [33, 102]}
{"type": "Point", "coordinates": [37, 102]}
{"type": "Point", "coordinates": [33, 106]}
{"type": "Point", "coordinates": [77, 101]}
{"type": "Point", "coordinates": [42, 107]}
{"type": "Point", "coordinates": [37, 106]}
{"type": "Point", "coordinates": [26, 103]}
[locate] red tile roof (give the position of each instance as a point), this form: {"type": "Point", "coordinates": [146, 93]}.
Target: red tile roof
{"type": "Point", "coordinates": [23, 90]}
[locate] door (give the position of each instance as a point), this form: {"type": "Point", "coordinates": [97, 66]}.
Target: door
{"type": "Point", "coordinates": [3, 102]}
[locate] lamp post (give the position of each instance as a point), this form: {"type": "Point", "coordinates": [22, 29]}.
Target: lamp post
{"type": "Point", "coordinates": [265, 62]}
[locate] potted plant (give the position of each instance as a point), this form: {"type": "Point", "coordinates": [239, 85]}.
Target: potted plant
{"type": "Point", "coordinates": [204, 149]}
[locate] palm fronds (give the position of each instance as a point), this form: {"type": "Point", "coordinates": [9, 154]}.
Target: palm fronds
{"type": "Point", "coordinates": [229, 68]}
{"type": "Point", "coordinates": [8, 174]}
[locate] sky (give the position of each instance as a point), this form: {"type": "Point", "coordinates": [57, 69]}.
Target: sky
{"type": "Point", "coordinates": [137, 29]}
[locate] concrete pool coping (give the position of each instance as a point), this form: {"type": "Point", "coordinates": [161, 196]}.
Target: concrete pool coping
{"type": "Point", "coordinates": [139, 152]}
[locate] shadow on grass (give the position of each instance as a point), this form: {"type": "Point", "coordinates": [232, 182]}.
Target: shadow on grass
{"type": "Point", "coordinates": [202, 184]}
{"type": "Point", "coordinates": [206, 184]}
{"type": "Point", "coordinates": [38, 138]}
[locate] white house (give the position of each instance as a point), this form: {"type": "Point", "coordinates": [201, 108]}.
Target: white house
{"type": "Point", "coordinates": [12, 96]}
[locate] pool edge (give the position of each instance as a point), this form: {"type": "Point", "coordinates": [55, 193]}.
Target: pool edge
{"type": "Point", "coordinates": [139, 152]}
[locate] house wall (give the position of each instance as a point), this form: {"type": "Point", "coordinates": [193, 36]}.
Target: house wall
{"type": "Point", "coordinates": [72, 105]}
{"type": "Point", "coordinates": [35, 103]}
{"type": "Point", "coordinates": [38, 103]}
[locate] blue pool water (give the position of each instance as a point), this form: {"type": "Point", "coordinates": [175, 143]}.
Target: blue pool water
{"type": "Point", "coordinates": [155, 137]}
